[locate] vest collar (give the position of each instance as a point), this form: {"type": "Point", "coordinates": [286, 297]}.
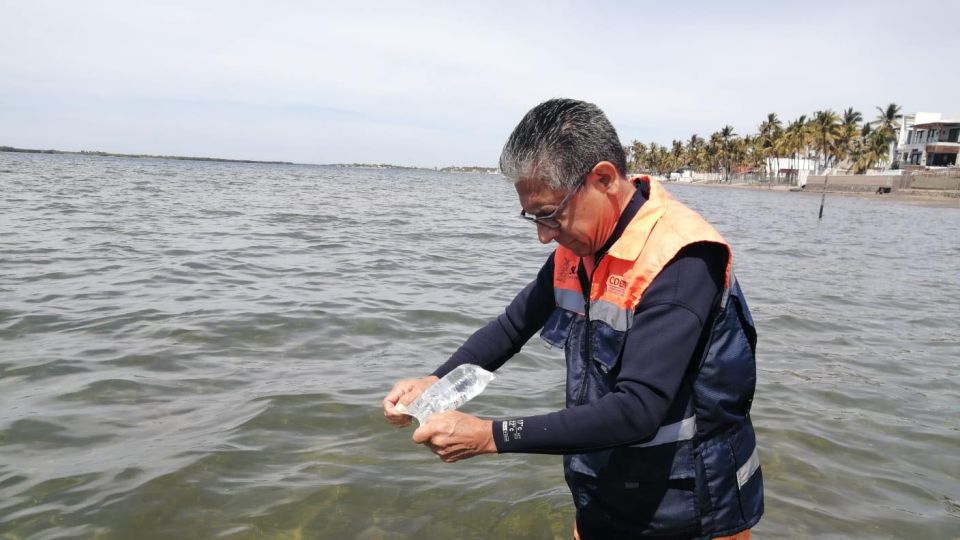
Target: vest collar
{"type": "Point", "coordinates": [629, 245]}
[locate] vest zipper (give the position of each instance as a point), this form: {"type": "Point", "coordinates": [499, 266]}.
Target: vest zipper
{"type": "Point", "coordinates": [586, 285]}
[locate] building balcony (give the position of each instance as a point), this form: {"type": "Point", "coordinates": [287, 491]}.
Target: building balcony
{"type": "Point", "coordinates": [942, 147]}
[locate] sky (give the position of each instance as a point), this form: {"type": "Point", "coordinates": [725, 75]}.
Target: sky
{"type": "Point", "coordinates": [443, 83]}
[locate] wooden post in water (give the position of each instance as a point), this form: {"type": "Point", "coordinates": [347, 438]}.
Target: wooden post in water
{"type": "Point", "coordinates": [826, 178]}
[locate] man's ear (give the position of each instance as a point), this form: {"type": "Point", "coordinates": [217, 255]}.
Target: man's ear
{"type": "Point", "coordinates": [604, 177]}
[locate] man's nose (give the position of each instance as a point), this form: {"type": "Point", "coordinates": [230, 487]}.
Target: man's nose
{"type": "Point", "coordinates": [546, 234]}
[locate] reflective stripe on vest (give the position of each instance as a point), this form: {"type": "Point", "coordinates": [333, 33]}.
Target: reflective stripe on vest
{"type": "Point", "coordinates": [731, 280]}
{"type": "Point", "coordinates": [569, 300]}
{"type": "Point", "coordinates": [619, 318]}
{"type": "Point", "coordinates": [683, 430]}
{"type": "Point", "coordinates": [746, 471]}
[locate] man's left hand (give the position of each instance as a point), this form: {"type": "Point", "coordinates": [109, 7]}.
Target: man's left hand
{"type": "Point", "coordinates": [454, 436]}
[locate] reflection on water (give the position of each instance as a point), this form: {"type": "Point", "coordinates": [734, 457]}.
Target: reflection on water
{"type": "Point", "coordinates": [198, 350]}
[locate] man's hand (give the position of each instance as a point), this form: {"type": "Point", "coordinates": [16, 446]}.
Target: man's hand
{"type": "Point", "coordinates": [454, 436]}
{"type": "Point", "coordinates": [404, 392]}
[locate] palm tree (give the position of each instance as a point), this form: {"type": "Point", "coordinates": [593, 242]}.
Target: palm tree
{"type": "Point", "coordinates": [736, 153]}
{"type": "Point", "coordinates": [715, 152]}
{"type": "Point", "coordinates": [746, 152]}
{"type": "Point", "coordinates": [825, 130]}
{"type": "Point", "coordinates": [848, 134]}
{"type": "Point", "coordinates": [755, 152]}
{"type": "Point", "coordinates": [888, 124]}
{"type": "Point", "coordinates": [659, 159]}
{"type": "Point", "coordinates": [879, 148]}
{"type": "Point", "coordinates": [871, 149]}
{"type": "Point", "coordinates": [727, 134]}
{"type": "Point", "coordinates": [770, 131]}
{"type": "Point", "coordinates": [771, 124]}
{"type": "Point", "coordinates": [638, 156]}
{"type": "Point", "coordinates": [696, 153]}
{"type": "Point", "coordinates": [677, 155]}
{"type": "Point", "coordinates": [798, 140]}
{"type": "Point", "coordinates": [888, 115]}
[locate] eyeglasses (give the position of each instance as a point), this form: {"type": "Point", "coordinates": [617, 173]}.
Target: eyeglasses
{"type": "Point", "coordinates": [550, 220]}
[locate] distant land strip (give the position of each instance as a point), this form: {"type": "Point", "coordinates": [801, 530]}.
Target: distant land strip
{"type": "Point", "coordinates": [452, 169]}
{"type": "Point", "coordinates": [110, 154]}
{"type": "Point", "coordinates": [457, 169]}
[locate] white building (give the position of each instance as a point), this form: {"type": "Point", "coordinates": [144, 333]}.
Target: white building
{"type": "Point", "coordinates": [931, 140]}
{"type": "Point", "coordinates": [791, 169]}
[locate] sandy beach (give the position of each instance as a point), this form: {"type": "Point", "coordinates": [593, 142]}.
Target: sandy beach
{"type": "Point", "coordinates": [939, 199]}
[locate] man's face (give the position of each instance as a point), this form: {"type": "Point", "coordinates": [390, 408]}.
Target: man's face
{"type": "Point", "coordinates": [585, 223]}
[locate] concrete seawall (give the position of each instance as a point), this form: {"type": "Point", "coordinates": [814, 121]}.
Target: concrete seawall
{"type": "Point", "coordinates": [942, 185]}
{"type": "Point", "coordinates": [934, 182]}
{"type": "Point", "coordinates": [856, 183]}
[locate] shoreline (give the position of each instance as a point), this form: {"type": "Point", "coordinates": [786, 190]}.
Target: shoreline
{"type": "Point", "coordinates": [935, 198]}
{"type": "Point", "coordinates": [97, 153]}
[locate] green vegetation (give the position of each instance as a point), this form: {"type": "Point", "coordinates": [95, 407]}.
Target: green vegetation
{"type": "Point", "coordinates": [109, 154]}
{"type": "Point", "coordinates": [470, 169]}
{"type": "Point", "coordinates": [372, 166]}
{"type": "Point", "coordinates": [834, 140]}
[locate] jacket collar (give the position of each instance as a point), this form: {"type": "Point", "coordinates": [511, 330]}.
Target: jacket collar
{"type": "Point", "coordinates": [629, 245]}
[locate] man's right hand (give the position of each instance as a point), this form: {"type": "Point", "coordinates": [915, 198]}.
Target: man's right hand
{"type": "Point", "coordinates": [404, 392]}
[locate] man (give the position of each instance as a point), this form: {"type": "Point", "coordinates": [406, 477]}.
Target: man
{"type": "Point", "coordinates": [659, 343]}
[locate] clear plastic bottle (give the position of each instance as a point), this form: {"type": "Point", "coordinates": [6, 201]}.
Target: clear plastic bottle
{"type": "Point", "coordinates": [459, 386]}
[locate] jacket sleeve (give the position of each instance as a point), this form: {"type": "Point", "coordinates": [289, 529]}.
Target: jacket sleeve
{"type": "Point", "coordinates": [669, 327]}
{"type": "Point", "coordinates": [491, 346]}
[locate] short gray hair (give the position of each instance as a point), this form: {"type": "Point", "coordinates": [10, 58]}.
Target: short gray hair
{"type": "Point", "coordinates": [559, 141]}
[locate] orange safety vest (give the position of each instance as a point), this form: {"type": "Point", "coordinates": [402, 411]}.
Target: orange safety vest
{"type": "Point", "coordinates": [661, 228]}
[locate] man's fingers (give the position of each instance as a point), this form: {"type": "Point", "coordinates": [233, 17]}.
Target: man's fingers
{"type": "Point", "coordinates": [440, 444]}
{"type": "Point", "coordinates": [397, 392]}
{"type": "Point", "coordinates": [398, 421]}
{"type": "Point", "coordinates": [456, 453]}
{"type": "Point", "coordinates": [423, 434]}
{"type": "Point", "coordinates": [390, 409]}
{"type": "Point", "coordinates": [401, 394]}
{"type": "Point", "coordinates": [441, 451]}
